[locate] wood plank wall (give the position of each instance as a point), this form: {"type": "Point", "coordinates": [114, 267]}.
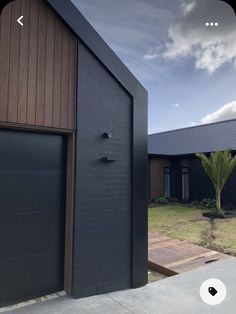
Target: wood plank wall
{"type": "Point", "coordinates": [37, 67]}
{"type": "Point", "coordinates": [156, 176]}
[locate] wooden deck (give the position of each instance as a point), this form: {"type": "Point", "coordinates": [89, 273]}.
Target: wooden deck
{"type": "Point", "coordinates": [171, 257]}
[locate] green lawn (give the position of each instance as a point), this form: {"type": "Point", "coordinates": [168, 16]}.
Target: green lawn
{"type": "Point", "coordinates": [186, 223]}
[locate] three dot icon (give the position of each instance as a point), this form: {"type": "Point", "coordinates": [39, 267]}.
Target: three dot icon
{"type": "Point", "coordinates": [211, 24]}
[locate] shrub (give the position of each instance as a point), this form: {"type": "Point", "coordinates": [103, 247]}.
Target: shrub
{"type": "Point", "coordinates": [162, 200]}
{"type": "Point", "coordinates": [208, 203]}
{"type": "Point", "coordinates": [174, 199]}
{"type": "Point", "coordinates": [195, 203]}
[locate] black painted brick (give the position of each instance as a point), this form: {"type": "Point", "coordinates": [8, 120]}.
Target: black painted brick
{"type": "Point", "coordinates": [103, 202]}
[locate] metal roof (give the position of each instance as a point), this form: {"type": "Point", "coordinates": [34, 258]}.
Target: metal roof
{"type": "Point", "coordinates": [198, 139]}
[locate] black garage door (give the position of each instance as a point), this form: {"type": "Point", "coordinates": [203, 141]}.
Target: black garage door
{"type": "Point", "coordinates": [32, 211]}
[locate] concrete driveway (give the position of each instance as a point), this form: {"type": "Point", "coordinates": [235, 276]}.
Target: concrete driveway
{"type": "Point", "coordinates": [173, 295]}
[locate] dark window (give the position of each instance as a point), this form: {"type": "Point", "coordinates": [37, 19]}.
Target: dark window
{"type": "Point", "coordinates": [185, 183]}
{"type": "Point", "coordinates": [167, 181]}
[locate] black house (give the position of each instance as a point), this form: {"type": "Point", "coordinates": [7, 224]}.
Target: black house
{"type": "Point", "coordinates": [73, 157]}
{"type": "Point", "coordinates": [175, 171]}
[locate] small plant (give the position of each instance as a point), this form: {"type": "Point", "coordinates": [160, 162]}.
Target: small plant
{"type": "Point", "coordinates": [195, 203]}
{"type": "Point", "coordinates": [208, 203]}
{"type": "Point", "coordinates": [174, 199]}
{"type": "Point", "coordinates": [162, 200]}
{"type": "Point", "coordinates": [208, 235]}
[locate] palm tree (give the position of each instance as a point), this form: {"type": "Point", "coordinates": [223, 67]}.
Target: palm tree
{"type": "Point", "coordinates": [218, 166]}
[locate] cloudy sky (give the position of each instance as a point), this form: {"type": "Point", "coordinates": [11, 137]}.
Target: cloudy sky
{"type": "Point", "coordinates": [188, 68]}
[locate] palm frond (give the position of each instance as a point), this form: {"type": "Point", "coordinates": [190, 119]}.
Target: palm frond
{"type": "Point", "coordinates": [218, 165]}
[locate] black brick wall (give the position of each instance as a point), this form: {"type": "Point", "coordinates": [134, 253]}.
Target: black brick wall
{"type": "Point", "coordinates": [102, 228]}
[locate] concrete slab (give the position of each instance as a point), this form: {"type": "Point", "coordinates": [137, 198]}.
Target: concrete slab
{"type": "Point", "coordinates": [180, 294]}
{"type": "Point", "coordinates": [174, 295]}
{"type": "Point", "coordinates": [101, 304]}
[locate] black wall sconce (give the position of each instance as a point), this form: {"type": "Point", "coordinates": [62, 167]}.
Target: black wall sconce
{"type": "Point", "coordinates": [107, 159]}
{"type": "Point", "coordinates": [106, 135]}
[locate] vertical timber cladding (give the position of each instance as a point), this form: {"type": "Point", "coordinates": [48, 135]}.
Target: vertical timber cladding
{"type": "Point", "coordinates": [103, 205]}
{"type": "Point", "coordinates": [37, 66]}
{"type": "Point", "coordinates": [156, 173]}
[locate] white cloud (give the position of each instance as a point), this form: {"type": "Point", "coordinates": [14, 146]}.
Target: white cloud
{"type": "Point", "coordinates": [153, 53]}
{"type": "Point", "coordinates": [176, 105]}
{"type": "Point", "coordinates": [187, 7]}
{"type": "Point", "coordinates": [141, 24]}
{"type": "Point", "coordinates": [193, 123]}
{"type": "Point", "coordinates": [210, 47]}
{"type": "Point", "coordinates": [226, 112]}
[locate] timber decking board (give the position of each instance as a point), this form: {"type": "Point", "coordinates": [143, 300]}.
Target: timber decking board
{"type": "Point", "coordinates": [171, 256]}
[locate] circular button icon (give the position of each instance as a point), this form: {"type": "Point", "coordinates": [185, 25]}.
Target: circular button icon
{"type": "Point", "coordinates": [213, 291]}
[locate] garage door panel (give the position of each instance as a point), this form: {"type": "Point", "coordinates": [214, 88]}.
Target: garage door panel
{"type": "Point", "coordinates": [27, 234]}
{"type": "Point", "coordinates": [30, 277]}
{"type": "Point", "coordinates": [47, 152]}
{"type": "Point", "coordinates": [31, 192]}
{"type": "Point", "coordinates": [32, 214]}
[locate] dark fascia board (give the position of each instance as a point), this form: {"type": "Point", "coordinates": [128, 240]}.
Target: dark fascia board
{"type": "Point", "coordinates": [71, 15]}
{"type": "Point", "coordinates": [172, 156]}
{"type": "Point", "coordinates": [86, 33]}
{"type": "Point", "coordinates": [150, 156]}
{"type": "Point", "coordinates": [169, 156]}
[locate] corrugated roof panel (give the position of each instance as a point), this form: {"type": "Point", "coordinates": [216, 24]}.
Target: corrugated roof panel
{"type": "Point", "coordinates": [199, 139]}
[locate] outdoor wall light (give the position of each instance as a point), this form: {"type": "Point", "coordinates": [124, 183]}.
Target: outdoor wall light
{"type": "Point", "coordinates": [106, 135]}
{"type": "Point", "coordinates": [107, 159]}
